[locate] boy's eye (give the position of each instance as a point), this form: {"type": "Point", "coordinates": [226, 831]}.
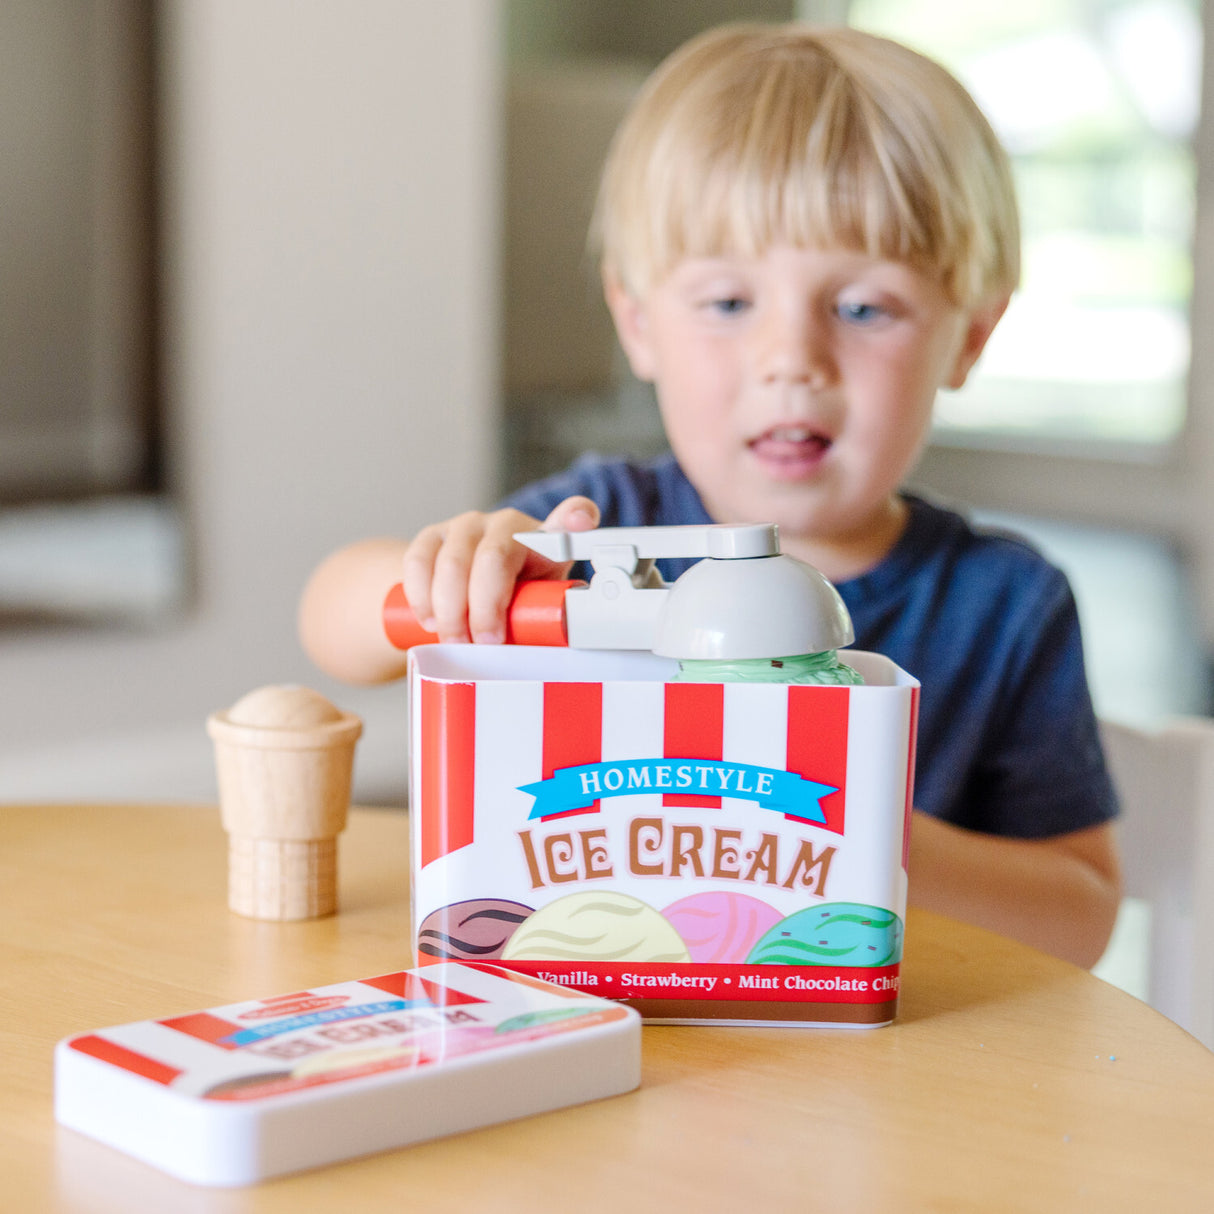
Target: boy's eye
{"type": "Point", "coordinates": [862, 313]}
{"type": "Point", "coordinates": [729, 305]}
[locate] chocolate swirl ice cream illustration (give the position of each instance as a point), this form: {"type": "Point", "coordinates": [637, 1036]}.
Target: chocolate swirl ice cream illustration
{"type": "Point", "coordinates": [476, 930]}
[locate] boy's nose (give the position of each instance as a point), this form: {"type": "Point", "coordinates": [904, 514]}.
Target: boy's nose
{"type": "Point", "coordinates": [792, 350]}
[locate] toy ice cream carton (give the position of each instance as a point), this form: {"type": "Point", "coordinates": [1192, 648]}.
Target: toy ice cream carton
{"type": "Point", "coordinates": [235, 1094]}
{"type": "Point", "coordinates": [621, 821]}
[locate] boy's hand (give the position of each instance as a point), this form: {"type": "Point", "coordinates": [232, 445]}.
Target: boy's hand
{"type": "Point", "coordinates": [459, 576]}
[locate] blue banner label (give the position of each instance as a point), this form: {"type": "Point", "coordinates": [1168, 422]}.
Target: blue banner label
{"type": "Point", "coordinates": [276, 1028]}
{"type": "Point", "coordinates": [772, 788]}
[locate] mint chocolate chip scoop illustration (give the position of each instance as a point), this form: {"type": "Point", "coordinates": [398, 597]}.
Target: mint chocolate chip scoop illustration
{"type": "Point", "coordinates": [834, 933]}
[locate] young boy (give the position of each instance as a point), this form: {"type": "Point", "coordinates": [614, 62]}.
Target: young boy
{"type": "Point", "coordinates": [805, 234]}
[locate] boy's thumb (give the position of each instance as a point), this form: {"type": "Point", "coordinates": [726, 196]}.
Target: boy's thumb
{"type": "Point", "coordinates": [573, 514]}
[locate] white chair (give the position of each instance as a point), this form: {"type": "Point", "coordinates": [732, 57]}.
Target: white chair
{"type": "Point", "coordinates": [1165, 777]}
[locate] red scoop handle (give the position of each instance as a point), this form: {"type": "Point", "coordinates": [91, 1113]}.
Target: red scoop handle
{"type": "Point", "coordinates": [536, 616]}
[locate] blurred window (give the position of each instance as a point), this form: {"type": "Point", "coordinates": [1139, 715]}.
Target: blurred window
{"type": "Point", "coordinates": [1097, 102]}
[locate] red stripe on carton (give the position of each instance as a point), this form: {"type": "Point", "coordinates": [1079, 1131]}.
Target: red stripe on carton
{"type": "Point", "coordinates": [817, 744]}
{"type": "Point", "coordinates": [573, 731]}
{"type": "Point", "coordinates": [448, 743]}
{"type": "Point", "coordinates": [694, 728]}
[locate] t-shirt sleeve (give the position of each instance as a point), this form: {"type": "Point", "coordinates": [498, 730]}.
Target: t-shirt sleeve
{"type": "Point", "coordinates": [1040, 769]}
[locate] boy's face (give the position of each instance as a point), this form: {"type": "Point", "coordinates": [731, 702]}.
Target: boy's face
{"type": "Point", "coordinates": [796, 387]}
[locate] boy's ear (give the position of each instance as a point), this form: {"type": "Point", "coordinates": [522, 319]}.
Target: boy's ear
{"type": "Point", "coordinates": [631, 326]}
{"type": "Point", "coordinates": [981, 324]}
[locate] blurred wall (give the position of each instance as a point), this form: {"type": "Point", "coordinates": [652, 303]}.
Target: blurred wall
{"type": "Point", "coordinates": [330, 347]}
{"type": "Point", "coordinates": [573, 68]}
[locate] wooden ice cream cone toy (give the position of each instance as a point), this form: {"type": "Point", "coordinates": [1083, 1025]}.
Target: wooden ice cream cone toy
{"type": "Point", "coordinates": [284, 757]}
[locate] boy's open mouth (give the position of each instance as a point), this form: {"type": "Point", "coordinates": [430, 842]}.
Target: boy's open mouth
{"type": "Point", "coordinates": [790, 449]}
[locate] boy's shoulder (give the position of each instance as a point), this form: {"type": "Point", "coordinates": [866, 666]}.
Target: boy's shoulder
{"type": "Point", "coordinates": [938, 533]}
{"type": "Point", "coordinates": [946, 565]}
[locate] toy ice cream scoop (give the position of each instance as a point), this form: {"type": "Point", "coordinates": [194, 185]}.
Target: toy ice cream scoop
{"type": "Point", "coordinates": [746, 612]}
{"type": "Point", "coordinates": [750, 612]}
{"type": "Point", "coordinates": [768, 619]}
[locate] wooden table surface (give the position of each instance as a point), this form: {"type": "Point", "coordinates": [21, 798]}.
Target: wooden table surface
{"type": "Point", "coordinates": [1011, 1081]}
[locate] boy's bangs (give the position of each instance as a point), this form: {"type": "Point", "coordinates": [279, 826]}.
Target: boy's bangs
{"type": "Point", "coordinates": [814, 206]}
{"type": "Point", "coordinates": [829, 181]}
{"type": "Point", "coordinates": [834, 139]}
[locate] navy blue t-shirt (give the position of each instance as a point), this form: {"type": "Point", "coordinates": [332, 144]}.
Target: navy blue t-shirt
{"type": "Point", "coordinates": [1007, 742]}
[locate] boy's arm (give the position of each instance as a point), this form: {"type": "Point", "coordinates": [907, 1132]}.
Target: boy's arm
{"type": "Point", "coordinates": [1058, 894]}
{"type": "Point", "coordinates": [341, 613]}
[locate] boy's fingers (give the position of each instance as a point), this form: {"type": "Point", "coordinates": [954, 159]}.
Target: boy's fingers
{"type": "Point", "coordinates": [417, 573]}
{"type": "Point", "coordinates": [572, 514]}
{"type": "Point", "coordinates": [453, 560]}
{"type": "Point", "coordinates": [495, 569]}
{"type": "Point", "coordinates": [459, 576]}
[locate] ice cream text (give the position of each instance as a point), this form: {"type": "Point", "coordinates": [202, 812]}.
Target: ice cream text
{"type": "Point", "coordinates": [658, 848]}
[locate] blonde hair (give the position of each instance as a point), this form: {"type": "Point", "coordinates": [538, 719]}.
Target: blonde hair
{"type": "Point", "coordinates": [753, 135]}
